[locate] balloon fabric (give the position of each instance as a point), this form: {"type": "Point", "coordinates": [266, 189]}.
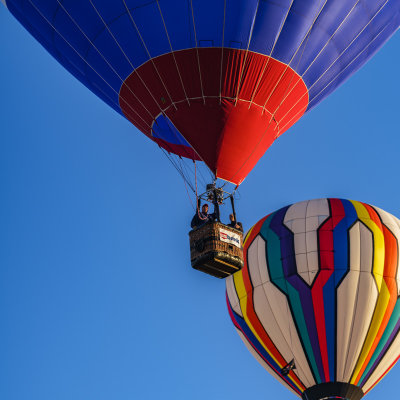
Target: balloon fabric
{"type": "Point", "coordinates": [211, 80]}
{"type": "Point", "coordinates": [320, 293]}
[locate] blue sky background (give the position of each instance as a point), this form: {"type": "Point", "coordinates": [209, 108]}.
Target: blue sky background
{"type": "Point", "coordinates": [97, 297]}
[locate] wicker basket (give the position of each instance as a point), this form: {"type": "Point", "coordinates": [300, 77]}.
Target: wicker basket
{"type": "Point", "coordinates": [216, 249]}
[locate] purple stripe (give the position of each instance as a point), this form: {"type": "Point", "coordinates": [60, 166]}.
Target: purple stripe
{"type": "Point", "coordinates": [290, 271]}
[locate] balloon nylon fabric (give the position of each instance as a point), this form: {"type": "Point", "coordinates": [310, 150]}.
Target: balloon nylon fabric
{"type": "Point", "coordinates": [321, 285]}
{"type": "Point", "coordinates": [216, 80]}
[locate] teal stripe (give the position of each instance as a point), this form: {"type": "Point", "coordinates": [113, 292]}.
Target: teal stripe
{"type": "Point", "coordinates": [394, 318]}
{"type": "Point", "coordinates": [276, 273]}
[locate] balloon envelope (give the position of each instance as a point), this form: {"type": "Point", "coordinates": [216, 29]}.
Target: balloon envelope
{"type": "Point", "coordinates": [216, 80]}
{"type": "Point", "coordinates": [321, 287]}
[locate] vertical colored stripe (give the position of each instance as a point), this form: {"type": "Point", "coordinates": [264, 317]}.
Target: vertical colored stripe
{"type": "Point", "coordinates": [283, 274]}
{"type": "Point", "coordinates": [369, 217]}
{"type": "Point", "coordinates": [323, 290]}
{"type": "Point", "coordinates": [390, 293]}
{"type": "Point", "coordinates": [345, 211]}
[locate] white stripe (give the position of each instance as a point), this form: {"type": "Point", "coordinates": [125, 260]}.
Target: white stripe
{"type": "Point", "coordinates": [4, 2]}
{"type": "Point", "coordinates": [346, 303]}
{"type": "Point", "coordinates": [304, 219]}
{"type": "Point", "coordinates": [232, 295]}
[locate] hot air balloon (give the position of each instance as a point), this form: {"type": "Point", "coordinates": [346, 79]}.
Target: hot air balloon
{"type": "Point", "coordinates": [317, 302]}
{"type": "Point", "coordinates": [211, 80]}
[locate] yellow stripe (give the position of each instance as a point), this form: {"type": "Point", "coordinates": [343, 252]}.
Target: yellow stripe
{"type": "Point", "coordinates": [248, 235]}
{"type": "Point", "coordinates": [384, 294]}
{"type": "Point", "coordinates": [379, 242]}
{"type": "Point", "coordinates": [241, 291]}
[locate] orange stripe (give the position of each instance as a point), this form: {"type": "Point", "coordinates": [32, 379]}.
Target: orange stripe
{"type": "Point", "coordinates": [389, 273]}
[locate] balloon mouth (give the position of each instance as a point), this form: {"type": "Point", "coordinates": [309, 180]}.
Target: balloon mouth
{"type": "Point", "coordinates": [333, 390]}
{"type": "Point", "coordinates": [224, 106]}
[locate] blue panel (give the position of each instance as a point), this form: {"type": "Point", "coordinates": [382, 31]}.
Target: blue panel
{"type": "Point", "coordinates": [164, 129]}
{"type": "Point", "coordinates": [121, 23]}
{"type": "Point", "coordinates": [47, 8]}
{"type": "Point", "coordinates": [353, 27]}
{"type": "Point", "coordinates": [108, 10]}
{"type": "Point", "coordinates": [128, 38]}
{"type": "Point", "coordinates": [350, 64]}
{"type": "Point", "coordinates": [294, 32]}
{"type": "Point", "coordinates": [60, 56]}
{"type": "Point", "coordinates": [270, 18]}
{"type": "Point", "coordinates": [330, 319]}
{"type": "Point", "coordinates": [238, 22]}
{"type": "Point", "coordinates": [323, 31]}
{"type": "Point", "coordinates": [151, 27]}
{"type": "Point", "coordinates": [178, 19]}
{"type": "Point", "coordinates": [209, 26]}
{"type": "Point", "coordinates": [100, 71]}
{"type": "Point", "coordinates": [107, 49]}
{"type": "Point", "coordinates": [72, 44]}
{"type": "Point", "coordinates": [40, 22]}
{"type": "Point", "coordinates": [83, 15]}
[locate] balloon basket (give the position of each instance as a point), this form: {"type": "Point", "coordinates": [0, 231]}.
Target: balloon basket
{"type": "Point", "coordinates": [216, 249]}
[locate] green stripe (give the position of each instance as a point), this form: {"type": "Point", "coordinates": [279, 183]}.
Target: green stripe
{"type": "Point", "coordinates": [275, 267]}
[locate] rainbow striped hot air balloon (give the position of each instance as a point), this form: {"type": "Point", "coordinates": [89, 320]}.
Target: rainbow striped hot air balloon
{"type": "Point", "coordinates": [211, 80]}
{"type": "Point", "coordinates": [317, 302]}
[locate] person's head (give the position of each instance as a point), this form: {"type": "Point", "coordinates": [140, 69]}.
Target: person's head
{"type": "Point", "coordinates": [205, 208]}
{"type": "Point", "coordinates": [232, 217]}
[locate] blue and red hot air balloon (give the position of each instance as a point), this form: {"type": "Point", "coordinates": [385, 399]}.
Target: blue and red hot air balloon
{"type": "Point", "coordinates": [211, 80]}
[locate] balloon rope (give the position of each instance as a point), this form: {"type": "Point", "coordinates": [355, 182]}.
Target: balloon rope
{"type": "Point", "coordinates": [126, 57]}
{"type": "Point", "coordinates": [187, 191]}
{"type": "Point", "coordinates": [338, 57]}
{"type": "Point", "coordinates": [92, 68]}
{"type": "Point", "coordinates": [148, 53]}
{"type": "Point", "coordinates": [222, 54]}
{"type": "Point", "coordinates": [104, 58]}
{"type": "Point", "coordinates": [336, 76]}
{"type": "Point", "coordinates": [243, 64]}
{"type": "Point", "coordinates": [270, 54]}
{"type": "Point", "coordinates": [172, 52]}
{"type": "Point", "coordinates": [304, 41]}
{"type": "Point", "coordinates": [197, 198]}
{"type": "Point", "coordinates": [197, 52]}
{"type": "Point", "coordinates": [177, 168]}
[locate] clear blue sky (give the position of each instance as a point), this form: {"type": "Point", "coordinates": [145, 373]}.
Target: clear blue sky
{"type": "Point", "coordinates": [97, 297]}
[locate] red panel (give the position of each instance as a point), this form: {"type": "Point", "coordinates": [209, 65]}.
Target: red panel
{"type": "Point", "coordinates": [229, 104]}
{"type": "Point", "coordinates": [326, 261]}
